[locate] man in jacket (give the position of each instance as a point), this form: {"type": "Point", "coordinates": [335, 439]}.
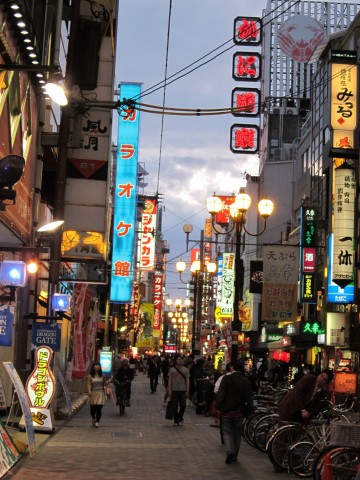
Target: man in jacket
{"type": "Point", "coordinates": [234, 401]}
{"type": "Point", "coordinates": [125, 375]}
{"type": "Point", "coordinates": [179, 385]}
{"type": "Point", "coordinates": [302, 401]}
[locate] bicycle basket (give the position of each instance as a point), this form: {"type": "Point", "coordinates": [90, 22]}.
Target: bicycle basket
{"type": "Point", "coordinates": [345, 434]}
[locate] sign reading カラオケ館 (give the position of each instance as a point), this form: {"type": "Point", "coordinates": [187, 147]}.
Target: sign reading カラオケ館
{"type": "Point", "coordinates": [123, 236]}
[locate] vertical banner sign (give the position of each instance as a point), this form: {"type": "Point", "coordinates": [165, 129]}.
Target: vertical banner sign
{"type": "Point", "coordinates": [158, 300]}
{"type": "Point", "coordinates": [146, 337]}
{"type": "Point", "coordinates": [256, 276]}
{"type": "Point", "coordinates": [344, 211]}
{"type": "Point", "coordinates": [7, 313]}
{"type": "Point", "coordinates": [281, 273]}
{"type": "Point", "coordinates": [208, 229]}
{"type": "Point", "coordinates": [308, 233]}
{"type": "Point", "coordinates": [219, 279]}
{"type": "Point", "coordinates": [147, 229]}
{"type": "Point", "coordinates": [123, 237]}
{"type": "Point", "coordinates": [227, 283]}
{"type": "Point", "coordinates": [81, 297]}
{"type": "Point", "coordinates": [335, 293]}
{"type": "Point", "coordinates": [245, 102]}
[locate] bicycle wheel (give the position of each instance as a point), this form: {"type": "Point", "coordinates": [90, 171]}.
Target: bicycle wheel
{"type": "Point", "coordinates": [301, 458]}
{"type": "Point", "coordinates": [262, 428]}
{"type": "Point", "coordinates": [282, 440]}
{"type": "Point", "coordinates": [248, 431]}
{"type": "Point", "coordinates": [339, 463]}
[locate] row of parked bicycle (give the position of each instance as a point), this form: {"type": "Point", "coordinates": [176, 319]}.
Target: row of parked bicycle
{"type": "Point", "coordinates": [326, 448]}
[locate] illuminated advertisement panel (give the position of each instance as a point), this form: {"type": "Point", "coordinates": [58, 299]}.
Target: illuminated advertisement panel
{"type": "Point", "coordinates": [343, 99]}
{"type": "Point", "coordinates": [227, 283]}
{"type": "Point", "coordinates": [336, 294]}
{"type": "Point", "coordinates": [147, 229]}
{"type": "Point", "coordinates": [122, 261]}
{"type": "Point", "coordinates": [344, 211]}
{"type": "Point", "coordinates": [158, 300]}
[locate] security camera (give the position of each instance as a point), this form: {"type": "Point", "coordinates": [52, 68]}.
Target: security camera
{"type": "Point", "coordinates": [11, 170]}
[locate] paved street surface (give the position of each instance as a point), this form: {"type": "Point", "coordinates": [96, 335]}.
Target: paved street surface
{"type": "Point", "coordinates": [139, 445]}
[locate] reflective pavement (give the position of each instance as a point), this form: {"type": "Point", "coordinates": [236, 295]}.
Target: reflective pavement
{"type": "Point", "coordinates": [139, 445]}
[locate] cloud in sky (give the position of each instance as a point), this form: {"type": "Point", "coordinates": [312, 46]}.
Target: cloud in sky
{"type": "Point", "coordinates": [196, 159]}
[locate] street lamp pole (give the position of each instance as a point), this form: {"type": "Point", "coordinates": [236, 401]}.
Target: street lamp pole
{"type": "Point", "coordinates": [238, 211]}
{"type": "Point", "coordinates": [238, 290]}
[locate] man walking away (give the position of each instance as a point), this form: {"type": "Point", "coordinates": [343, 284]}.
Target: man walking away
{"type": "Point", "coordinates": [234, 401]}
{"type": "Point", "coordinates": [179, 389]}
{"type": "Point", "coordinates": [153, 373]}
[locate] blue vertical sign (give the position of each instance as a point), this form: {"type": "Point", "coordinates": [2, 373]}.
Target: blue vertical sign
{"type": "Point", "coordinates": [125, 192]}
{"type": "Point", "coordinates": [7, 314]}
{"type": "Point", "coordinates": [337, 294]}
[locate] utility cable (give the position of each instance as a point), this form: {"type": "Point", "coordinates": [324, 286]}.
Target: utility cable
{"type": "Point", "coordinates": [164, 97]}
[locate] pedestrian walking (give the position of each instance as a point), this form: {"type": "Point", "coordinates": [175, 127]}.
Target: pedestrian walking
{"type": "Point", "coordinates": [179, 385]}
{"type": "Point", "coordinates": [153, 373]}
{"type": "Point", "coordinates": [124, 376]}
{"type": "Point", "coordinates": [234, 401]}
{"type": "Point", "coordinates": [96, 390]}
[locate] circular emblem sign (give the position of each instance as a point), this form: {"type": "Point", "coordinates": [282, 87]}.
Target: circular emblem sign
{"type": "Point", "coordinates": [299, 36]}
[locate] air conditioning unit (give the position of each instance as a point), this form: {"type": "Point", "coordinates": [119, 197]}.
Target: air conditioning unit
{"type": "Point", "coordinates": [277, 154]}
{"type": "Point", "coordinates": [278, 110]}
{"type": "Point", "coordinates": [291, 111]}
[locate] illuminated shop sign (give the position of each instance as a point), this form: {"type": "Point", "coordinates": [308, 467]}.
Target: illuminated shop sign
{"type": "Point", "coordinates": [227, 283]}
{"type": "Point", "coordinates": [147, 229]}
{"type": "Point", "coordinates": [244, 138]}
{"type": "Point", "coordinates": [335, 293]}
{"type": "Point", "coordinates": [247, 30]}
{"type": "Point", "coordinates": [123, 237]}
{"type": "Point", "coordinates": [308, 290]}
{"type": "Point", "coordinates": [245, 102]}
{"type": "Point", "coordinates": [40, 386]}
{"type": "Point", "coordinates": [344, 210]}
{"type": "Point", "coordinates": [247, 66]}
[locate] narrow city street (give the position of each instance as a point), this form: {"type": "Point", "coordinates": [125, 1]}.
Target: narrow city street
{"type": "Point", "coordinates": [140, 445]}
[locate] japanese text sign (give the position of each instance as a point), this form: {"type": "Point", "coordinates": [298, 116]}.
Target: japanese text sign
{"type": "Point", "coordinates": [40, 386]}
{"type": "Point", "coordinates": [227, 283]}
{"type": "Point", "coordinates": [244, 138]}
{"type": "Point", "coordinates": [147, 228]}
{"type": "Point", "coordinates": [245, 102]}
{"type": "Point", "coordinates": [246, 66]}
{"type": "Point", "coordinates": [158, 300]}
{"type": "Point", "coordinates": [123, 237]}
{"type": "Point", "coordinates": [344, 211]}
{"type": "Point", "coordinates": [281, 272]}
{"type": "Point", "coordinates": [335, 293]}
{"type": "Point", "coordinates": [247, 30]}
{"type": "Point", "coordinates": [343, 97]}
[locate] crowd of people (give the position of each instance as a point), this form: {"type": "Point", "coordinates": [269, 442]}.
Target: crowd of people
{"type": "Point", "coordinates": [225, 392]}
